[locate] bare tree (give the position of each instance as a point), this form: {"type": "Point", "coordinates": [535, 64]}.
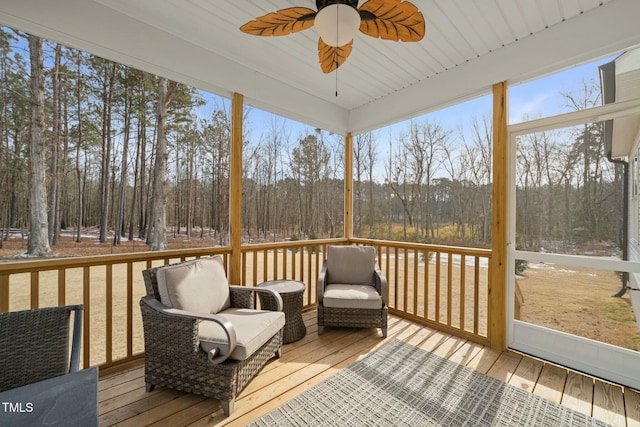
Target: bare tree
{"type": "Point", "coordinates": [361, 165]}
{"type": "Point", "coordinates": [371, 155]}
{"type": "Point", "coordinates": [127, 81]}
{"type": "Point", "coordinates": [55, 181]}
{"type": "Point", "coordinates": [476, 159]}
{"type": "Point", "coordinates": [39, 225]}
{"type": "Point", "coordinates": [108, 76]}
{"type": "Point", "coordinates": [424, 149]}
{"type": "Point", "coordinates": [159, 200]}
{"type": "Point", "coordinates": [309, 162]}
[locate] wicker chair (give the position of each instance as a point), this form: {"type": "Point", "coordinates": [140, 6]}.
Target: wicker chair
{"type": "Point", "coordinates": [175, 356]}
{"type": "Point", "coordinates": [352, 291]}
{"type": "Point", "coordinates": [34, 345]}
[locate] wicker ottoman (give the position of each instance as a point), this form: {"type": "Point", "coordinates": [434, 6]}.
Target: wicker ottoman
{"type": "Point", "coordinates": [292, 293]}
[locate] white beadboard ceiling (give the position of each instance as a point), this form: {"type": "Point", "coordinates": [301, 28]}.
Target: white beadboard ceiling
{"type": "Point", "coordinates": [469, 45]}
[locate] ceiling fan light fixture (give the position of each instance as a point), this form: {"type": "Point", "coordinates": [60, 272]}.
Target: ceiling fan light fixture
{"type": "Point", "coordinates": [336, 24]}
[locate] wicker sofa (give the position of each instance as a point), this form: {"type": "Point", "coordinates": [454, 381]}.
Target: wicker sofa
{"type": "Point", "coordinates": [179, 354]}
{"type": "Point", "coordinates": [352, 291]}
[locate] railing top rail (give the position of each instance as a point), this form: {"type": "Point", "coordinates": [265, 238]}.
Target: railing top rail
{"type": "Point", "coordinates": [27, 266]}
{"type": "Point", "coordinates": [295, 243]}
{"type": "Point", "coordinates": [426, 246]}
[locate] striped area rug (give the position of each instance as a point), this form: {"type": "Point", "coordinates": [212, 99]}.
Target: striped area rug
{"type": "Point", "coordinates": [402, 385]}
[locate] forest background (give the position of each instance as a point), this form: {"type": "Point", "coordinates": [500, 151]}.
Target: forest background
{"type": "Point", "coordinates": [88, 144]}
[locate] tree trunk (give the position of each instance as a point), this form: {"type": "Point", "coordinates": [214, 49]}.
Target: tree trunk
{"type": "Point", "coordinates": [159, 200]}
{"type": "Point", "coordinates": [132, 213]}
{"type": "Point", "coordinates": [143, 206]}
{"type": "Point", "coordinates": [107, 96]}
{"type": "Point", "coordinates": [39, 227]}
{"type": "Point", "coordinates": [54, 182]}
{"type": "Point", "coordinates": [119, 228]}
{"type": "Point", "coordinates": [79, 178]}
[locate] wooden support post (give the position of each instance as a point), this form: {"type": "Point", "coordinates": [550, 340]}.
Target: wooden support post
{"type": "Point", "coordinates": [498, 268]}
{"type": "Point", "coordinates": [348, 186]}
{"type": "Point", "coordinates": [4, 293]}
{"type": "Point", "coordinates": [235, 206]}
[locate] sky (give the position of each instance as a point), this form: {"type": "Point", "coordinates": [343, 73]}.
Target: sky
{"type": "Point", "coordinates": [537, 98]}
{"type": "Point", "coordinates": [533, 99]}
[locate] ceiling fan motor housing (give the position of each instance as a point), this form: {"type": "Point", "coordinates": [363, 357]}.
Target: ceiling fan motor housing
{"type": "Point", "coordinates": [337, 22]}
{"type": "Point", "coordinates": [320, 4]}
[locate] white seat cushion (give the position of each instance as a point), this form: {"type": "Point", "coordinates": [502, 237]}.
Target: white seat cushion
{"type": "Point", "coordinates": [253, 329]}
{"type": "Point", "coordinates": [351, 296]}
{"type": "Point", "coordinates": [198, 285]}
{"type": "Point", "coordinates": [351, 264]}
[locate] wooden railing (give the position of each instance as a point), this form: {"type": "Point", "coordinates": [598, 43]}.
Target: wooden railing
{"type": "Point", "coordinates": [440, 286]}
{"type": "Point", "coordinates": [109, 287]}
{"type": "Point", "coordinates": [445, 287]}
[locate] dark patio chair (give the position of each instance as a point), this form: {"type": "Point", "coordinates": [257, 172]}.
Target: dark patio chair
{"type": "Point", "coordinates": [203, 336]}
{"type": "Point", "coordinates": [34, 345]}
{"type": "Point", "coordinates": [352, 291]}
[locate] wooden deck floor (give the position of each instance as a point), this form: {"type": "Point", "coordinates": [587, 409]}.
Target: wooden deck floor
{"type": "Point", "coordinates": [123, 400]}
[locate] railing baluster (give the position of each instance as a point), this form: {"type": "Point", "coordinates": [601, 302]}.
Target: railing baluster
{"type": "Point", "coordinates": [265, 265]}
{"type": "Point", "coordinates": [438, 296]}
{"type": "Point", "coordinates": [295, 274]}
{"type": "Point", "coordinates": [62, 286]}
{"type": "Point", "coordinates": [476, 295]}
{"type": "Point", "coordinates": [275, 264]}
{"type": "Point", "coordinates": [463, 285]}
{"type": "Point", "coordinates": [35, 289]}
{"type": "Point", "coordinates": [449, 288]}
{"type": "Point", "coordinates": [415, 281]}
{"type": "Point", "coordinates": [4, 293]}
{"type": "Point", "coordinates": [300, 254]}
{"type": "Point", "coordinates": [395, 276]}
{"type": "Point", "coordinates": [425, 284]}
{"type": "Point", "coordinates": [129, 309]}
{"type": "Point", "coordinates": [243, 271]}
{"type": "Point", "coordinates": [255, 267]}
{"type": "Point", "coordinates": [405, 284]}
{"type": "Point", "coordinates": [109, 312]}
{"type": "Point", "coordinates": [86, 300]}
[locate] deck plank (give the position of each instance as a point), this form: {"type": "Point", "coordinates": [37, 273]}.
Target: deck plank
{"type": "Point", "coordinates": [145, 405]}
{"type": "Point", "coordinates": [449, 347]}
{"type": "Point", "coordinates": [505, 366]}
{"type": "Point", "coordinates": [526, 374]}
{"type": "Point", "coordinates": [208, 408]}
{"type": "Point", "coordinates": [551, 383]}
{"type": "Point", "coordinates": [632, 407]}
{"type": "Point", "coordinates": [118, 389]}
{"type": "Point", "coordinates": [124, 401]}
{"type": "Point", "coordinates": [121, 400]}
{"type": "Point", "coordinates": [121, 377]}
{"type": "Point", "coordinates": [608, 403]}
{"type": "Point", "coordinates": [578, 393]}
{"type": "Point", "coordinates": [466, 353]}
{"type": "Point", "coordinates": [163, 411]}
{"type": "Point", "coordinates": [484, 359]}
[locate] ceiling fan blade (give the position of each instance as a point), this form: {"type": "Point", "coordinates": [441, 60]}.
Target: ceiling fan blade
{"type": "Point", "coordinates": [332, 57]}
{"type": "Point", "coordinates": [392, 20]}
{"type": "Point", "coordinates": [281, 23]}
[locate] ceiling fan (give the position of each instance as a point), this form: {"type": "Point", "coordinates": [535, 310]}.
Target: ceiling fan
{"type": "Point", "coordinates": [336, 22]}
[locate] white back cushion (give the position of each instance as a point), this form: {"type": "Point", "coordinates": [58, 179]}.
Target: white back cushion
{"type": "Point", "coordinates": [198, 285]}
{"type": "Point", "coordinates": [351, 264]}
